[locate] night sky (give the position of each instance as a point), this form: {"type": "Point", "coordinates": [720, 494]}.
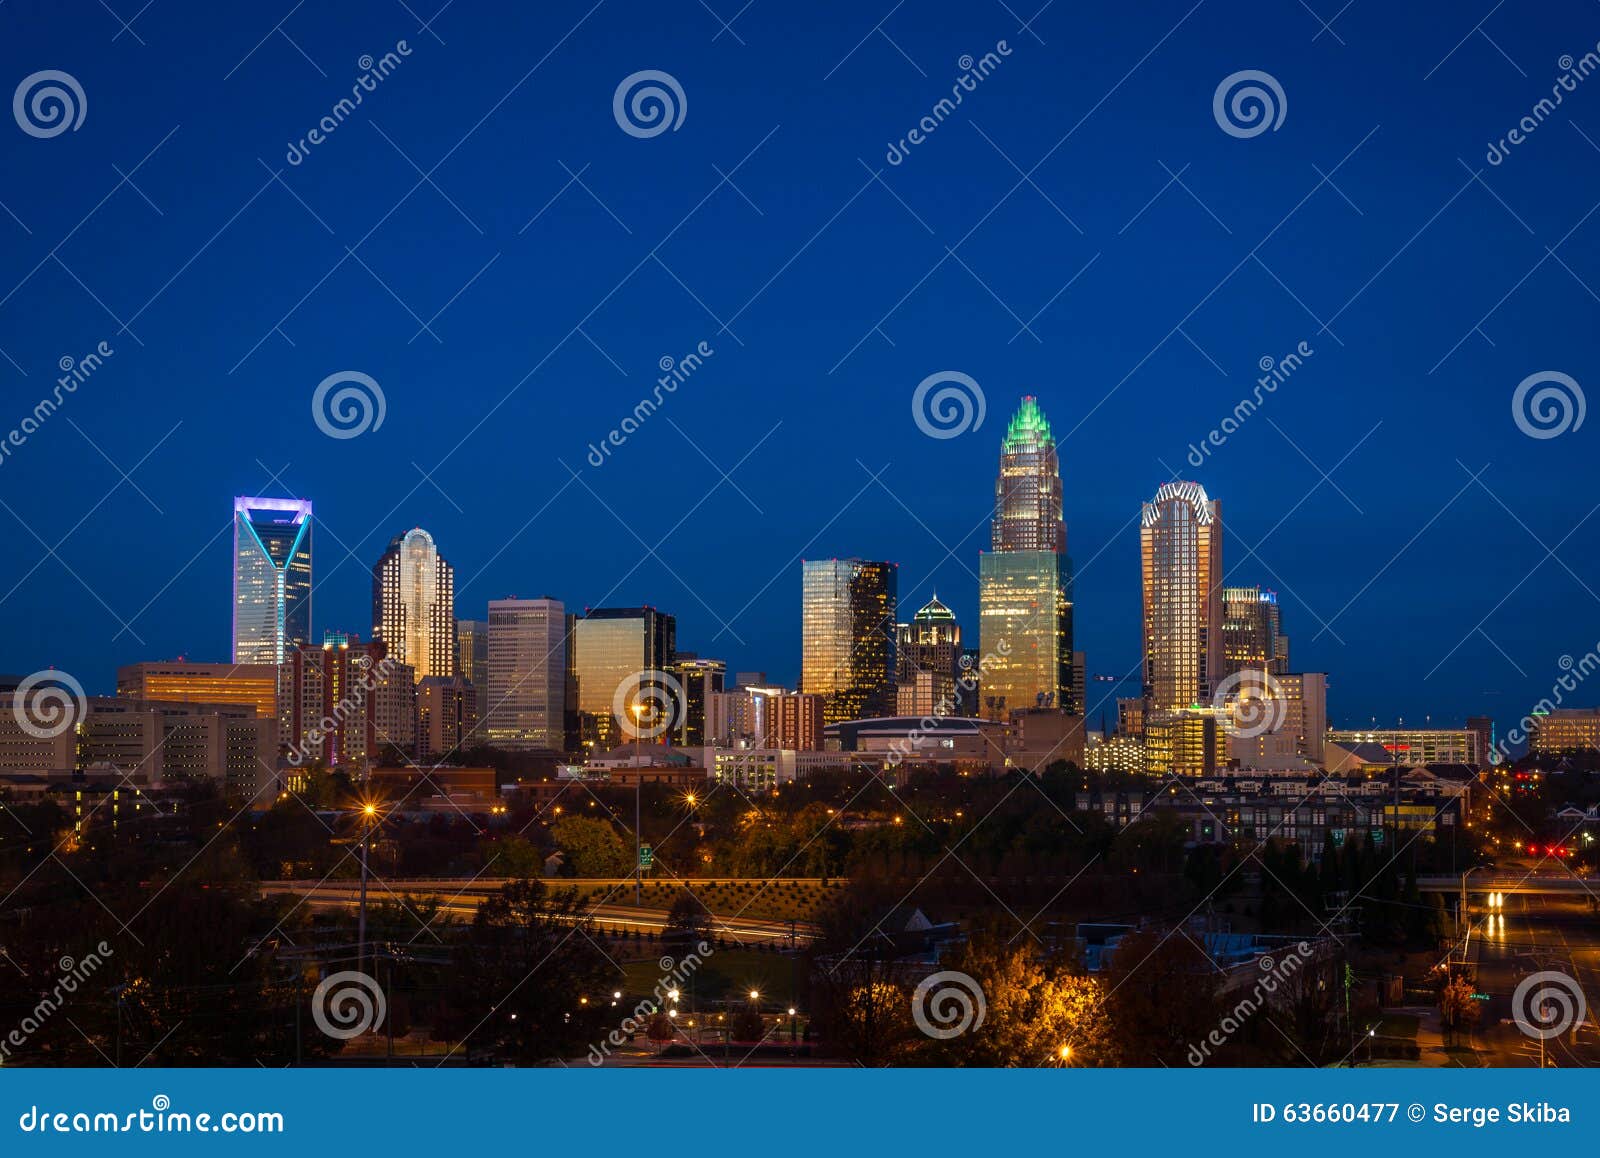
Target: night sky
{"type": "Point", "coordinates": [514, 307]}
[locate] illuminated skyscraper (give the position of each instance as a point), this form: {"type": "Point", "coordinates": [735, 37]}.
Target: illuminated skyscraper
{"type": "Point", "coordinates": [526, 700]}
{"type": "Point", "coordinates": [1250, 636]}
{"type": "Point", "coordinates": [847, 636]}
{"type": "Point", "coordinates": [1025, 580]}
{"type": "Point", "coordinates": [414, 605]}
{"type": "Point", "coordinates": [472, 653]}
{"type": "Point", "coordinates": [625, 648]}
{"type": "Point", "coordinates": [271, 578]}
{"type": "Point", "coordinates": [1181, 548]}
{"type": "Point", "coordinates": [928, 659]}
{"type": "Point", "coordinates": [701, 679]}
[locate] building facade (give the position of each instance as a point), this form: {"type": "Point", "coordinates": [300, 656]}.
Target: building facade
{"type": "Point", "coordinates": [1250, 632]}
{"type": "Point", "coordinates": [414, 605]}
{"type": "Point", "coordinates": [1025, 580]}
{"type": "Point", "coordinates": [472, 653]}
{"type": "Point", "coordinates": [847, 636]}
{"type": "Point", "coordinates": [1181, 555]}
{"type": "Point", "coordinates": [447, 716]}
{"type": "Point", "coordinates": [252, 685]}
{"type": "Point", "coordinates": [618, 653]}
{"type": "Point", "coordinates": [700, 679]}
{"type": "Point", "coordinates": [527, 661]}
{"type": "Point", "coordinates": [271, 578]}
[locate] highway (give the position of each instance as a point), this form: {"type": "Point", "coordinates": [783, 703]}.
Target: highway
{"type": "Point", "coordinates": [461, 898]}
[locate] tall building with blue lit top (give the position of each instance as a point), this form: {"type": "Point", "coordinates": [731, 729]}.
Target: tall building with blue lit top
{"type": "Point", "coordinates": [271, 578]}
{"type": "Point", "coordinates": [1025, 579]}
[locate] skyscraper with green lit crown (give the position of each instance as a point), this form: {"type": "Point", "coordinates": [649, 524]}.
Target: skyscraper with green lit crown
{"type": "Point", "coordinates": [1025, 579]}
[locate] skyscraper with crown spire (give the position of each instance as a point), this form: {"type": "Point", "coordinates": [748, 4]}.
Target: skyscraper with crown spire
{"type": "Point", "coordinates": [1025, 580]}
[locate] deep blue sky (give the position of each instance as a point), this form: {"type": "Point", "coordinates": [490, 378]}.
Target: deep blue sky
{"type": "Point", "coordinates": [802, 271]}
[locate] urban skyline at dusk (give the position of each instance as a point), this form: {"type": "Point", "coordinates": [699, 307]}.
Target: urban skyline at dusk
{"type": "Point", "coordinates": [526, 391]}
{"type": "Point", "coordinates": [933, 536]}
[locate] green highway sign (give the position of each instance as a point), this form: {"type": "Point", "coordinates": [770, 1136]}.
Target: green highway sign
{"type": "Point", "coordinates": [647, 856]}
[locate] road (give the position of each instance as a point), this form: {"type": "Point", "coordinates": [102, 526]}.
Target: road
{"type": "Point", "coordinates": [461, 898]}
{"type": "Point", "coordinates": [1531, 935]}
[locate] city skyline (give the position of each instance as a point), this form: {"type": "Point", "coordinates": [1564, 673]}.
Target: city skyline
{"type": "Point", "coordinates": [1326, 463]}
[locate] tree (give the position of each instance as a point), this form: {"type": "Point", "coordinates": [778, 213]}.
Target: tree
{"type": "Point", "coordinates": [528, 960]}
{"type": "Point", "coordinates": [687, 924]}
{"type": "Point", "coordinates": [592, 847]}
{"type": "Point", "coordinates": [1457, 1009]}
{"type": "Point", "coordinates": [1162, 991]}
{"type": "Point", "coordinates": [1033, 1006]}
{"type": "Point", "coordinates": [748, 1025]}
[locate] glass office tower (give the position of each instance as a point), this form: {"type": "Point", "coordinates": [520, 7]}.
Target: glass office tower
{"type": "Point", "coordinates": [1025, 580]}
{"type": "Point", "coordinates": [271, 578]}
{"type": "Point", "coordinates": [1181, 549]}
{"type": "Point", "coordinates": [611, 647]}
{"type": "Point", "coordinates": [847, 636]}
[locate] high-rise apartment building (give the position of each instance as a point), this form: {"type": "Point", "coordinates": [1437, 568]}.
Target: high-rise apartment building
{"type": "Point", "coordinates": [343, 703]}
{"type": "Point", "coordinates": [1181, 551]}
{"type": "Point", "coordinates": [619, 652]}
{"type": "Point", "coordinates": [271, 578]}
{"type": "Point", "coordinates": [414, 605]}
{"type": "Point", "coordinates": [1025, 580]}
{"type": "Point", "coordinates": [527, 662]}
{"type": "Point", "coordinates": [847, 636]}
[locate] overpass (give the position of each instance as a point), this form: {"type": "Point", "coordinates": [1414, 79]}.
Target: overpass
{"type": "Point", "coordinates": [1513, 883]}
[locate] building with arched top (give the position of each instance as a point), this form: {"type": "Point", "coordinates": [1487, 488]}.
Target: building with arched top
{"type": "Point", "coordinates": [414, 605]}
{"type": "Point", "coordinates": [1180, 538]}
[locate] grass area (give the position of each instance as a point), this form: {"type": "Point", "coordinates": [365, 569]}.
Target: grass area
{"type": "Point", "coordinates": [778, 900]}
{"type": "Point", "coordinates": [726, 976]}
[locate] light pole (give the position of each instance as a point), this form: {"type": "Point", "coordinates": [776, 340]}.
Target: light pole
{"type": "Point", "coordinates": [369, 813]}
{"type": "Point", "coordinates": [638, 782]}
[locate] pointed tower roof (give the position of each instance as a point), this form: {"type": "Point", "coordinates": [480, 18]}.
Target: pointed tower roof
{"type": "Point", "coordinates": [935, 612]}
{"type": "Point", "coordinates": [1028, 426]}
